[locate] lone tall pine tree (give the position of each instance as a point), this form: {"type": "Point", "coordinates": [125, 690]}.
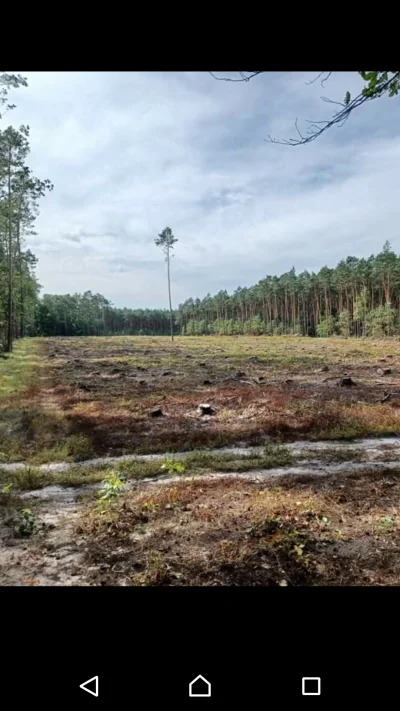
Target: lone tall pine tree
{"type": "Point", "coordinates": [166, 241]}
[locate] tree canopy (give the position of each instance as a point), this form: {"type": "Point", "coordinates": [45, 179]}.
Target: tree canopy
{"type": "Point", "coordinates": [20, 192]}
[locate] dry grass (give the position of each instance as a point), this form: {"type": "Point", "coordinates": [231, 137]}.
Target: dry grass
{"type": "Point", "coordinates": [345, 531]}
{"type": "Point", "coordinates": [74, 398]}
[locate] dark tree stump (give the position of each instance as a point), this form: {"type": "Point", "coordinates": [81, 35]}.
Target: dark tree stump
{"type": "Point", "coordinates": [156, 412]}
{"type": "Point", "coordinates": [347, 382]}
{"type": "Point", "coordinates": [384, 371]}
{"type": "Point", "coordinates": [205, 409]}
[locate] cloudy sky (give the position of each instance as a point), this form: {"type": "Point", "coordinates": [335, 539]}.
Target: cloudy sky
{"type": "Point", "coordinates": [130, 153]}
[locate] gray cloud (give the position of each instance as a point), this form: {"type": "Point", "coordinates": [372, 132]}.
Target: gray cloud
{"type": "Point", "coordinates": [72, 238]}
{"type": "Point", "coordinates": [130, 153]}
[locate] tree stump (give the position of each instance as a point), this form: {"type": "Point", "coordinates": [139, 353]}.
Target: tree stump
{"type": "Point", "coordinates": [156, 412]}
{"type": "Point", "coordinates": [347, 381]}
{"type": "Point", "coordinates": [205, 409]}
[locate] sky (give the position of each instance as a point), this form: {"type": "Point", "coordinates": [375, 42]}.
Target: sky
{"type": "Point", "coordinates": [131, 153]}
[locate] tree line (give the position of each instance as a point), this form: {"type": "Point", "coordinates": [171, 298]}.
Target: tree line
{"type": "Point", "coordinates": [93, 315]}
{"type": "Point", "coordinates": [20, 192]}
{"type": "Point", "coordinates": [359, 297]}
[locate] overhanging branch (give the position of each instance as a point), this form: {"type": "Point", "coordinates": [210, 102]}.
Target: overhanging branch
{"type": "Point", "coordinates": [244, 76]}
{"type": "Point", "coordinates": [316, 128]}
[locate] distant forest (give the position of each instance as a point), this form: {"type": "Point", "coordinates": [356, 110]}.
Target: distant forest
{"type": "Point", "coordinates": [360, 297]}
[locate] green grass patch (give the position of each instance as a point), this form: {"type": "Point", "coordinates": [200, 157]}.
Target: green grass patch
{"type": "Point", "coordinates": [332, 455]}
{"type": "Point", "coordinates": [19, 369]}
{"type": "Point", "coordinates": [32, 477]}
{"type": "Point", "coordinates": [356, 430]}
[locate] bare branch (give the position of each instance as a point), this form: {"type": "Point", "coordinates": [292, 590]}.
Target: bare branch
{"type": "Point", "coordinates": [328, 74]}
{"type": "Point", "coordinates": [330, 101]}
{"type": "Point", "coordinates": [316, 128]}
{"type": "Point", "coordinates": [297, 129]}
{"type": "Point", "coordinates": [243, 76]}
{"type": "Point", "coordinates": [325, 80]}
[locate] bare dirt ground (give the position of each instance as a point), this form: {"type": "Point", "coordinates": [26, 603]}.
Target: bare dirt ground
{"type": "Point", "coordinates": [213, 530]}
{"type": "Point", "coordinates": [339, 532]}
{"type": "Point", "coordinates": [93, 396]}
{"type": "Point", "coordinates": [333, 521]}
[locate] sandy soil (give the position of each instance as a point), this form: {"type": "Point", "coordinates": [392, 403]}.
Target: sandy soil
{"type": "Point", "coordinates": [323, 520]}
{"type": "Point", "coordinates": [310, 524]}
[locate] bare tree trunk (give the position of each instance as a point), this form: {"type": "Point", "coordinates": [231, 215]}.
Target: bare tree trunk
{"type": "Point", "coordinates": [170, 301]}
{"type": "Point", "coordinates": [9, 339]}
{"type": "Point", "coordinates": [21, 277]}
{"type": "Point", "coordinates": [21, 293]}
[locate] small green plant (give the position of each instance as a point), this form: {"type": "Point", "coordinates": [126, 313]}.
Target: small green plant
{"type": "Point", "coordinates": [386, 522]}
{"type": "Point", "coordinates": [278, 455]}
{"type": "Point", "coordinates": [79, 447]}
{"type": "Point", "coordinates": [172, 466]}
{"type": "Point", "coordinates": [24, 523]}
{"type": "Point", "coordinates": [325, 521]}
{"type": "Point", "coordinates": [6, 494]}
{"type": "Point", "coordinates": [111, 489]}
{"type": "Point", "coordinates": [298, 549]}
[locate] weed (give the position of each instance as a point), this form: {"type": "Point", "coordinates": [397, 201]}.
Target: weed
{"type": "Point", "coordinates": [79, 447]}
{"type": "Point", "coordinates": [226, 414]}
{"type": "Point", "coordinates": [269, 527]}
{"type": "Point", "coordinates": [277, 455]}
{"type": "Point", "coordinates": [157, 571]}
{"type": "Point", "coordinates": [386, 522]}
{"type": "Point", "coordinates": [172, 466]}
{"type": "Point", "coordinates": [6, 494]}
{"type": "Point", "coordinates": [110, 490]}
{"type": "Point", "coordinates": [325, 521]}
{"type": "Point", "coordinates": [24, 523]}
